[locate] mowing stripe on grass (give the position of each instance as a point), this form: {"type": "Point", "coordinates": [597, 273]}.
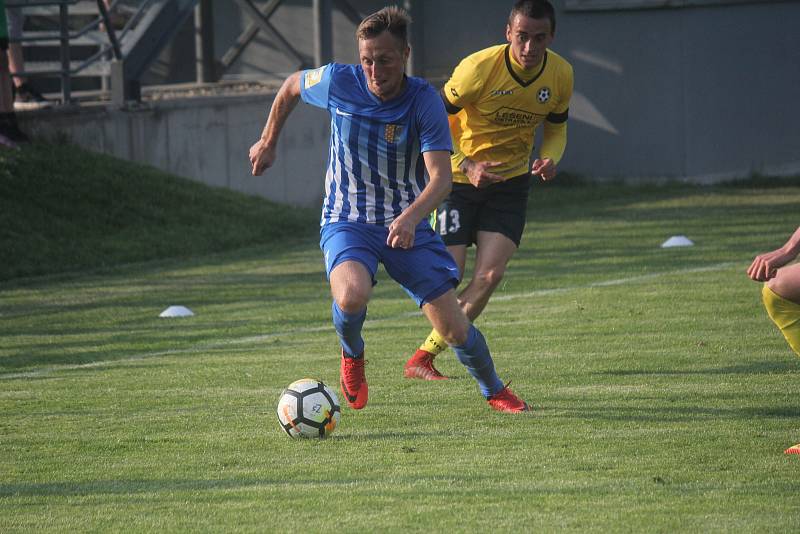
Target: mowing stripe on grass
{"type": "Point", "coordinates": [310, 329]}
{"type": "Point", "coordinates": [615, 282]}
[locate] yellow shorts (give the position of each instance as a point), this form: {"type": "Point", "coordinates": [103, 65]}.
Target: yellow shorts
{"type": "Point", "coordinates": [785, 314]}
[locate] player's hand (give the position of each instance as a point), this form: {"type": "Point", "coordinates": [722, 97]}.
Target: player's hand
{"type": "Point", "coordinates": [765, 266]}
{"type": "Point", "coordinates": [545, 168]}
{"type": "Point", "coordinates": [478, 172]}
{"type": "Point", "coordinates": [262, 157]}
{"type": "Point", "coordinates": [401, 233]}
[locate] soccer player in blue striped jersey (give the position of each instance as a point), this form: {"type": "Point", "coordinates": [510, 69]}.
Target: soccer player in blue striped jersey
{"type": "Point", "coordinates": [388, 169]}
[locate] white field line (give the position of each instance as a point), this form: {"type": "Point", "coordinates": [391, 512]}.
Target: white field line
{"type": "Point", "coordinates": [311, 329]}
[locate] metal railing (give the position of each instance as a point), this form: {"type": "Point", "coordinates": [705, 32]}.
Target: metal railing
{"type": "Point", "coordinates": [107, 48]}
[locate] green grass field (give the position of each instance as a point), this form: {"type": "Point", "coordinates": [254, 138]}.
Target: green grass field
{"type": "Point", "coordinates": [663, 397]}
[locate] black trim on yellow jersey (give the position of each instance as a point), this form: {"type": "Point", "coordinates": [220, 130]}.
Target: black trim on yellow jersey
{"type": "Point", "coordinates": [558, 118]}
{"type": "Point", "coordinates": [513, 74]}
{"type": "Point", "coordinates": [451, 109]}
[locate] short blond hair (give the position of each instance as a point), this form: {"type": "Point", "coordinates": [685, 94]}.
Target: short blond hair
{"type": "Point", "coordinates": [393, 19]}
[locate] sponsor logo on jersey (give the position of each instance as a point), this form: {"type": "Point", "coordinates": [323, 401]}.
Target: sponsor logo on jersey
{"type": "Point", "coordinates": [513, 117]}
{"type": "Point", "coordinates": [543, 95]}
{"type": "Point", "coordinates": [313, 77]}
{"type": "Point", "coordinates": [502, 92]}
{"type": "Point", "coordinates": [392, 132]}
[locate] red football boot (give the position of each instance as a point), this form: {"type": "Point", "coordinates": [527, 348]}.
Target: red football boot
{"type": "Point", "coordinates": [353, 382]}
{"type": "Point", "coordinates": [506, 401]}
{"type": "Point", "coordinates": [420, 365]}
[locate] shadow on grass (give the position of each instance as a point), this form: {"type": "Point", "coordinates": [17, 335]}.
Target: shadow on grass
{"type": "Point", "coordinates": [36, 358]}
{"type": "Point", "coordinates": [766, 367]}
{"type": "Point", "coordinates": [124, 487]}
{"type": "Point", "coordinates": [656, 414]}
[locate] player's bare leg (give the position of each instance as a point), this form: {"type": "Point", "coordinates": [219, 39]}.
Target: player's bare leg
{"type": "Point", "coordinates": [446, 317]}
{"type": "Point", "coordinates": [420, 365]}
{"type": "Point", "coordinates": [491, 258]}
{"type": "Point", "coordinates": [781, 296]}
{"type": "Point", "coordinates": [493, 253]}
{"type": "Point", "coordinates": [494, 250]}
{"type": "Point", "coordinates": [351, 286]}
{"type": "Point", "coordinates": [787, 283]}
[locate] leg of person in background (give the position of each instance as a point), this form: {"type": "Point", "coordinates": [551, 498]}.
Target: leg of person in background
{"type": "Point", "coordinates": [10, 134]}
{"type": "Point", "coordinates": [26, 96]}
{"type": "Point", "coordinates": [494, 251]}
{"type": "Point", "coordinates": [118, 19]}
{"type": "Point", "coordinates": [781, 296]}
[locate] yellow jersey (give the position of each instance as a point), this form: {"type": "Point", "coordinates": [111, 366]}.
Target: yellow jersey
{"type": "Point", "coordinates": [495, 106]}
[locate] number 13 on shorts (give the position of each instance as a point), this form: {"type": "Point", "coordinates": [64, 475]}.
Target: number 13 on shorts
{"type": "Point", "coordinates": [448, 221]}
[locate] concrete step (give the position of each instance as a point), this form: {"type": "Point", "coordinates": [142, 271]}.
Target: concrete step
{"type": "Point", "coordinates": [98, 68]}
{"type": "Point", "coordinates": [79, 8]}
{"type": "Point", "coordinates": [49, 38]}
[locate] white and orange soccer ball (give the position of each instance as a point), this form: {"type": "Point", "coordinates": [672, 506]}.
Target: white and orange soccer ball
{"type": "Point", "coordinates": [308, 408]}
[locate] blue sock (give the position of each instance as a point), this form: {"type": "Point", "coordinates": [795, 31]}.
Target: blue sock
{"type": "Point", "coordinates": [348, 326]}
{"type": "Point", "coordinates": [474, 354]}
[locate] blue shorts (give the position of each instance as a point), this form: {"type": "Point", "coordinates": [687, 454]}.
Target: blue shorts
{"type": "Point", "coordinates": [426, 271]}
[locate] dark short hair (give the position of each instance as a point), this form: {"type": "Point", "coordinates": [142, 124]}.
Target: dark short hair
{"type": "Point", "coordinates": [535, 9]}
{"type": "Point", "coordinates": [392, 19]}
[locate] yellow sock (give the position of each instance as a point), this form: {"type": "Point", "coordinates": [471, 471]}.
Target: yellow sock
{"type": "Point", "coordinates": [785, 314]}
{"type": "Point", "coordinates": [434, 343]}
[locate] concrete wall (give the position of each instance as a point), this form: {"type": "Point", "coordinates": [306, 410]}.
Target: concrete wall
{"type": "Point", "coordinates": [702, 91]}
{"type": "Point", "coordinates": [699, 93]}
{"type": "Point", "coordinates": [205, 139]}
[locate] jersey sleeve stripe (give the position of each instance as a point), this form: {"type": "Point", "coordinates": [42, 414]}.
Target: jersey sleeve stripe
{"type": "Point", "coordinates": [558, 118]}
{"type": "Point", "coordinates": [451, 109]}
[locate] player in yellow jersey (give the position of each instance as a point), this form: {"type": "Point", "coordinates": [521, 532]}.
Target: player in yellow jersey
{"type": "Point", "coordinates": [496, 98]}
{"type": "Point", "coordinates": [781, 293]}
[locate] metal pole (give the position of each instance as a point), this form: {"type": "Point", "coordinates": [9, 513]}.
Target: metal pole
{"type": "Point", "coordinates": [204, 42]}
{"type": "Point", "coordinates": [112, 35]}
{"type": "Point", "coordinates": [323, 36]}
{"type": "Point", "coordinates": [63, 16]}
{"type": "Point", "coordinates": [247, 36]}
{"type": "Point", "coordinates": [414, 64]}
{"type": "Point", "coordinates": [273, 32]}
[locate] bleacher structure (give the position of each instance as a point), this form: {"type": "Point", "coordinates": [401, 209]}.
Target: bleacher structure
{"type": "Point", "coordinates": [76, 40]}
{"type": "Point", "coordinates": [77, 46]}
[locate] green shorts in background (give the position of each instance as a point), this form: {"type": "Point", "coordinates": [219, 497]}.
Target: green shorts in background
{"type": "Point", "coordinates": [3, 26]}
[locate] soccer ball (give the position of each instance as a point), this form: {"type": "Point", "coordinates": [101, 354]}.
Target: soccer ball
{"type": "Point", "coordinates": [308, 408]}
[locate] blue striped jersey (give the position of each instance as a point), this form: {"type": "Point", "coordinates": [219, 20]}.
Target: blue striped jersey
{"type": "Point", "coordinates": [375, 164]}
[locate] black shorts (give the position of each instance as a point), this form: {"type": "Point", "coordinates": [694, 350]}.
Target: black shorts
{"type": "Point", "coordinates": [499, 208]}
{"type": "Point", "coordinates": [4, 43]}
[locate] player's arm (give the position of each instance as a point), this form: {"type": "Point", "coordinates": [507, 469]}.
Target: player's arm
{"type": "Point", "coordinates": [478, 172]}
{"type": "Point", "coordinates": [402, 229]}
{"type": "Point", "coordinates": [263, 152]}
{"type": "Point", "coordinates": [554, 142]}
{"type": "Point", "coordinates": [554, 135]}
{"type": "Point", "coordinates": [452, 110]}
{"type": "Point", "coordinates": [766, 265]}
{"type": "Point", "coordinates": [463, 89]}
